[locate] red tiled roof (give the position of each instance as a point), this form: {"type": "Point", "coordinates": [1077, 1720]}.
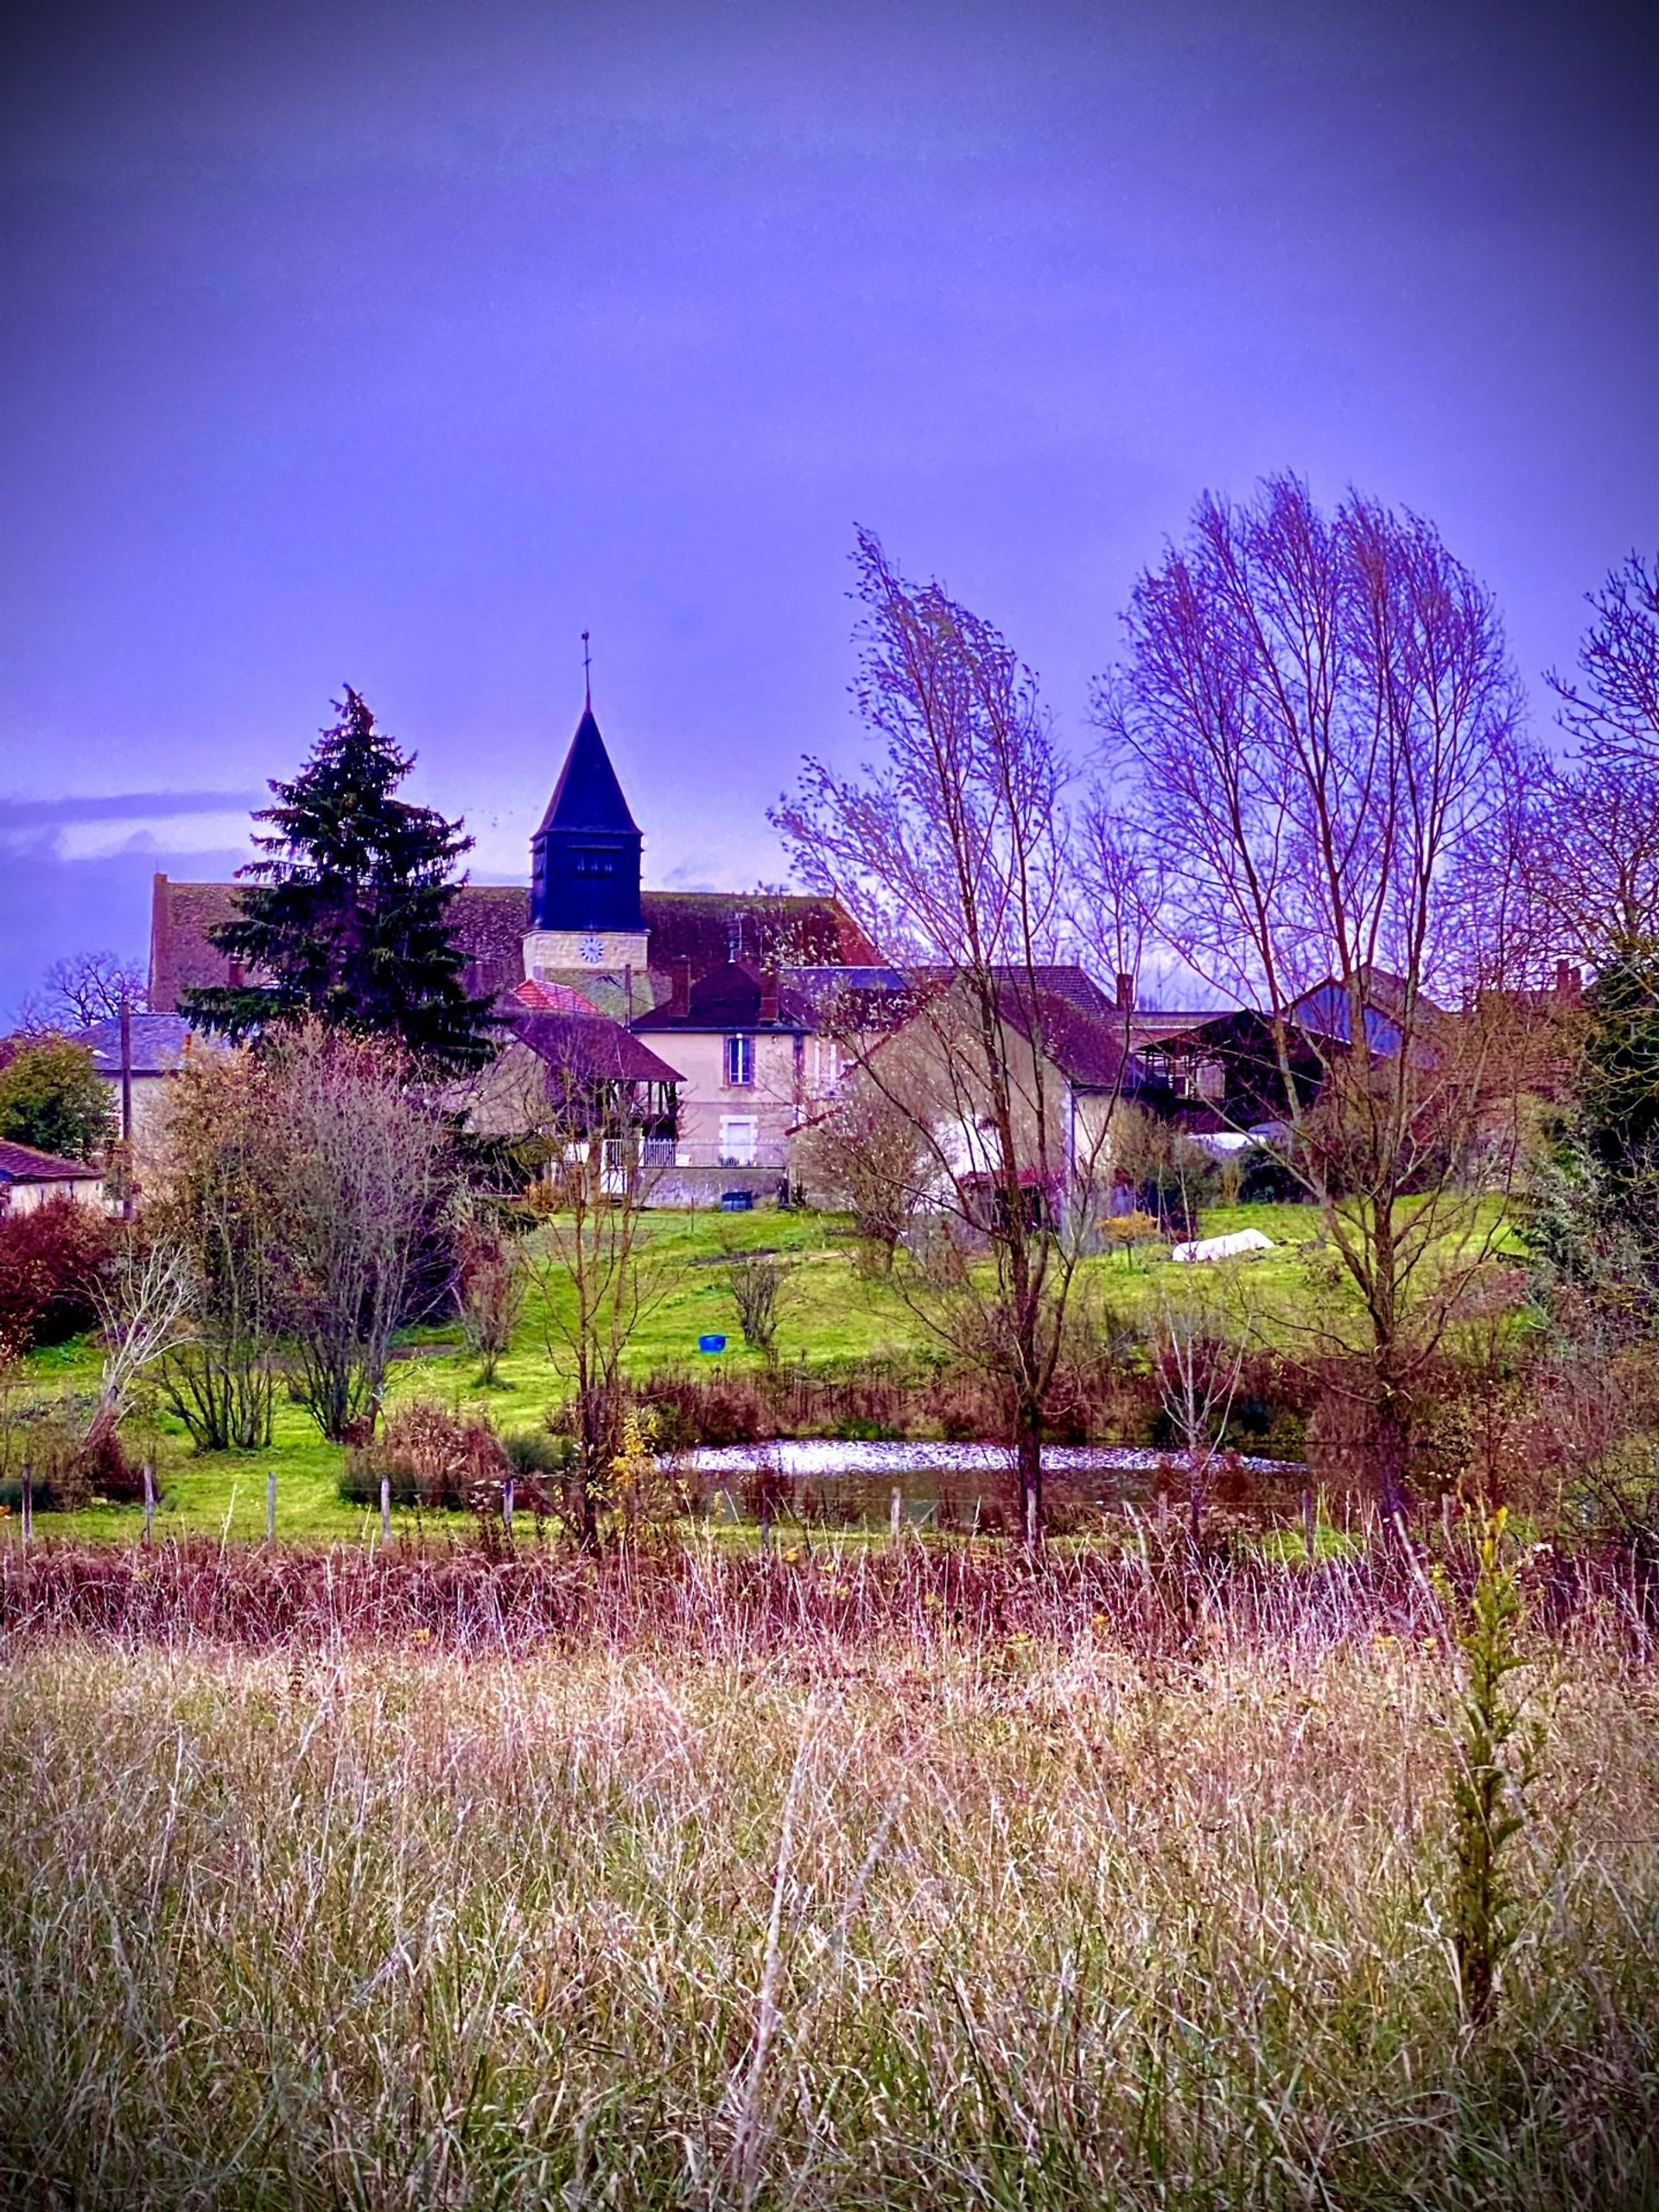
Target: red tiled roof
{"type": "Point", "coordinates": [553, 998]}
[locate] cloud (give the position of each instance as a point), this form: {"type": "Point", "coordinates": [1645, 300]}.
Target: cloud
{"type": "Point", "coordinates": [51, 906]}
{"type": "Point", "coordinates": [36, 814]}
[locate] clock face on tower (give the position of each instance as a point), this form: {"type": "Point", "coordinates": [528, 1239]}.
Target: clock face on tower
{"type": "Point", "coordinates": [592, 949]}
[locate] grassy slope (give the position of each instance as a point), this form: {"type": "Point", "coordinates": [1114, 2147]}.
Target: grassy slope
{"type": "Point", "coordinates": [832, 1313]}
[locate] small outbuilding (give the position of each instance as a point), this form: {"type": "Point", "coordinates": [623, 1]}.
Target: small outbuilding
{"type": "Point", "coordinates": [29, 1180]}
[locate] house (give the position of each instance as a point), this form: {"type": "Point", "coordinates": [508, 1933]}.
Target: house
{"type": "Point", "coordinates": [29, 1180]}
{"type": "Point", "coordinates": [567, 1073]}
{"type": "Point", "coordinates": [757, 1047]}
{"type": "Point", "coordinates": [1224, 1073]}
{"type": "Point", "coordinates": [1063, 1043]}
{"type": "Point", "coordinates": [585, 942]}
{"type": "Point", "coordinates": [157, 1047]}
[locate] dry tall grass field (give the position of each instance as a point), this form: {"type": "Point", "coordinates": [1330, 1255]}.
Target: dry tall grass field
{"type": "Point", "coordinates": [940, 1895]}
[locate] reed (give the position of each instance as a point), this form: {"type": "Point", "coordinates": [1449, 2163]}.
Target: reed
{"type": "Point", "coordinates": [915, 1877]}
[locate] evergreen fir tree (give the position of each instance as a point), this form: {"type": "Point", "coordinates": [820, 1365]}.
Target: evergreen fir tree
{"type": "Point", "coordinates": [345, 915]}
{"type": "Point", "coordinates": [1592, 1216]}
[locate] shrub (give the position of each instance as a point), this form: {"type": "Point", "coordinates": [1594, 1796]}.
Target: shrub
{"type": "Point", "coordinates": [539, 1452]}
{"type": "Point", "coordinates": [50, 1261]}
{"type": "Point", "coordinates": [53, 1097]}
{"type": "Point", "coordinates": [756, 1282]}
{"type": "Point", "coordinates": [431, 1458]}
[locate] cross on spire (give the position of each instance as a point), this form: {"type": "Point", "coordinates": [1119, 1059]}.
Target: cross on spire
{"type": "Point", "coordinates": [587, 671]}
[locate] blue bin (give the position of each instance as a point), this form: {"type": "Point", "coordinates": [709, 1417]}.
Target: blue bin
{"type": "Point", "coordinates": [737, 1201]}
{"type": "Point", "coordinates": [711, 1343]}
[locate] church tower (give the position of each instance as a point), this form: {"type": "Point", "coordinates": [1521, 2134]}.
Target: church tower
{"type": "Point", "coordinates": [584, 885]}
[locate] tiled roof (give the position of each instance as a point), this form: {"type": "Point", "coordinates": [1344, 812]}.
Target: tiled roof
{"type": "Point", "coordinates": [590, 1048]}
{"type": "Point", "coordinates": [20, 1163]}
{"type": "Point", "coordinates": [772, 930]}
{"type": "Point", "coordinates": [490, 920]}
{"type": "Point", "coordinates": [1089, 1048]}
{"type": "Point", "coordinates": [552, 998]}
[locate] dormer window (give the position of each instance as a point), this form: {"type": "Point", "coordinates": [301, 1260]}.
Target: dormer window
{"type": "Point", "coordinates": [740, 1061]}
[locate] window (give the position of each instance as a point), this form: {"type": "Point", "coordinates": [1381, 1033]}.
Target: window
{"type": "Point", "coordinates": [739, 1060]}
{"type": "Point", "coordinates": [737, 1133]}
{"type": "Point", "coordinates": [592, 864]}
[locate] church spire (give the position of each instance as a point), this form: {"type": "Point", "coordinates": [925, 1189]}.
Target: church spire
{"type": "Point", "coordinates": [585, 857]}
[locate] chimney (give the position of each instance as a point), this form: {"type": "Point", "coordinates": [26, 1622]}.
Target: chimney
{"type": "Point", "coordinates": [1125, 992]}
{"type": "Point", "coordinates": [1568, 982]}
{"type": "Point", "coordinates": [679, 992]}
{"type": "Point", "coordinates": [768, 996]}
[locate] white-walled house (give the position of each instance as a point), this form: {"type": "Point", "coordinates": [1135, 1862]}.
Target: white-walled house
{"type": "Point", "coordinates": [29, 1180]}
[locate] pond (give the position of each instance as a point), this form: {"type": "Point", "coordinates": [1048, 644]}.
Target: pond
{"type": "Point", "coordinates": [959, 1485]}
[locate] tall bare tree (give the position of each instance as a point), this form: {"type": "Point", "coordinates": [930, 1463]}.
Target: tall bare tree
{"type": "Point", "coordinates": [1589, 829]}
{"type": "Point", "coordinates": [600, 1270]}
{"type": "Point", "coordinates": [1314, 725]}
{"type": "Point", "coordinates": [952, 854]}
{"type": "Point", "coordinates": [1613, 708]}
{"type": "Point", "coordinates": [364, 1181]}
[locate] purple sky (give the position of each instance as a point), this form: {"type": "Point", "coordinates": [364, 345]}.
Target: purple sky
{"type": "Point", "coordinates": [398, 346]}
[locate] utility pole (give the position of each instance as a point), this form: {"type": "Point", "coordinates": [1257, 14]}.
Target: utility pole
{"type": "Point", "coordinates": [126, 1103]}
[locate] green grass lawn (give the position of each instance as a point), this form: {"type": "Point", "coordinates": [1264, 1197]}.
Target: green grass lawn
{"type": "Point", "coordinates": [832, 1313]}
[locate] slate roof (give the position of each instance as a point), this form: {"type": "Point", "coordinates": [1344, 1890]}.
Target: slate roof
{"type": "Point", "coordinates": [1062, 981]}
{"type": "Point", "coordinates": [729, 998]}
{"type": "Point", "coordinates": [160, 1042]}
{"type": "Point", "coordinates": [588, 796]}
{"type": "Point", "coordinates": [20, 1163]}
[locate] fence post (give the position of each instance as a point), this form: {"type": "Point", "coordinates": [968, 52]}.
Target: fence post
{"type": "Point", "coordinates": [506, 1504]}
{"type": "Point", "coordinates": [385, 1509]}
{"type": "Point", "coordinates": [149, 1506]}
{"type": "Point", "coordinates": [766, 1524]}
{"type": "Point", "coordinates": [1031, 1519]}
{"type": "Point", "coordinates": [1310, 1527]}
{"type": "Point", "coordinates": [270, 1505]}
{"type": "Point", "coordinates": [29, 1504]}
{"type": "Point", "coordinates": [895, 1513]}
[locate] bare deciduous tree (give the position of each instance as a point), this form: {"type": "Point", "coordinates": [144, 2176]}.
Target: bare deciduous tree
{"type": "Point", "coordinates": [1314, 721]}
{"type": "Point", "coordinates": [599, 1269]}
{"type": "Point", "coordinates": [490, 1288]}
{"type": "Point", "coordinates": [1588, 832]}
{"type": "Point", "coordinates": [865, 1153]}
{"type": "Point", "coordinates": [953, 854]}
{"type": "Point", "coordinates": [225, 1149]}
{"type": "Point", "coordinates": [1613, 709]}
{"type": "Point", "coordinates": [1200, 1359]}
{"type": "Point", "coordinates": [363, 1182]}
{"type": "Point", "coordinates": [86, 988]}
{"type": "Point", "coordinates": [142, 1304]}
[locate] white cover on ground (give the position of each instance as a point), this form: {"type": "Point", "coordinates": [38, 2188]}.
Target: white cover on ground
{"type": "Point", "coordinates": [1234, 1247]}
